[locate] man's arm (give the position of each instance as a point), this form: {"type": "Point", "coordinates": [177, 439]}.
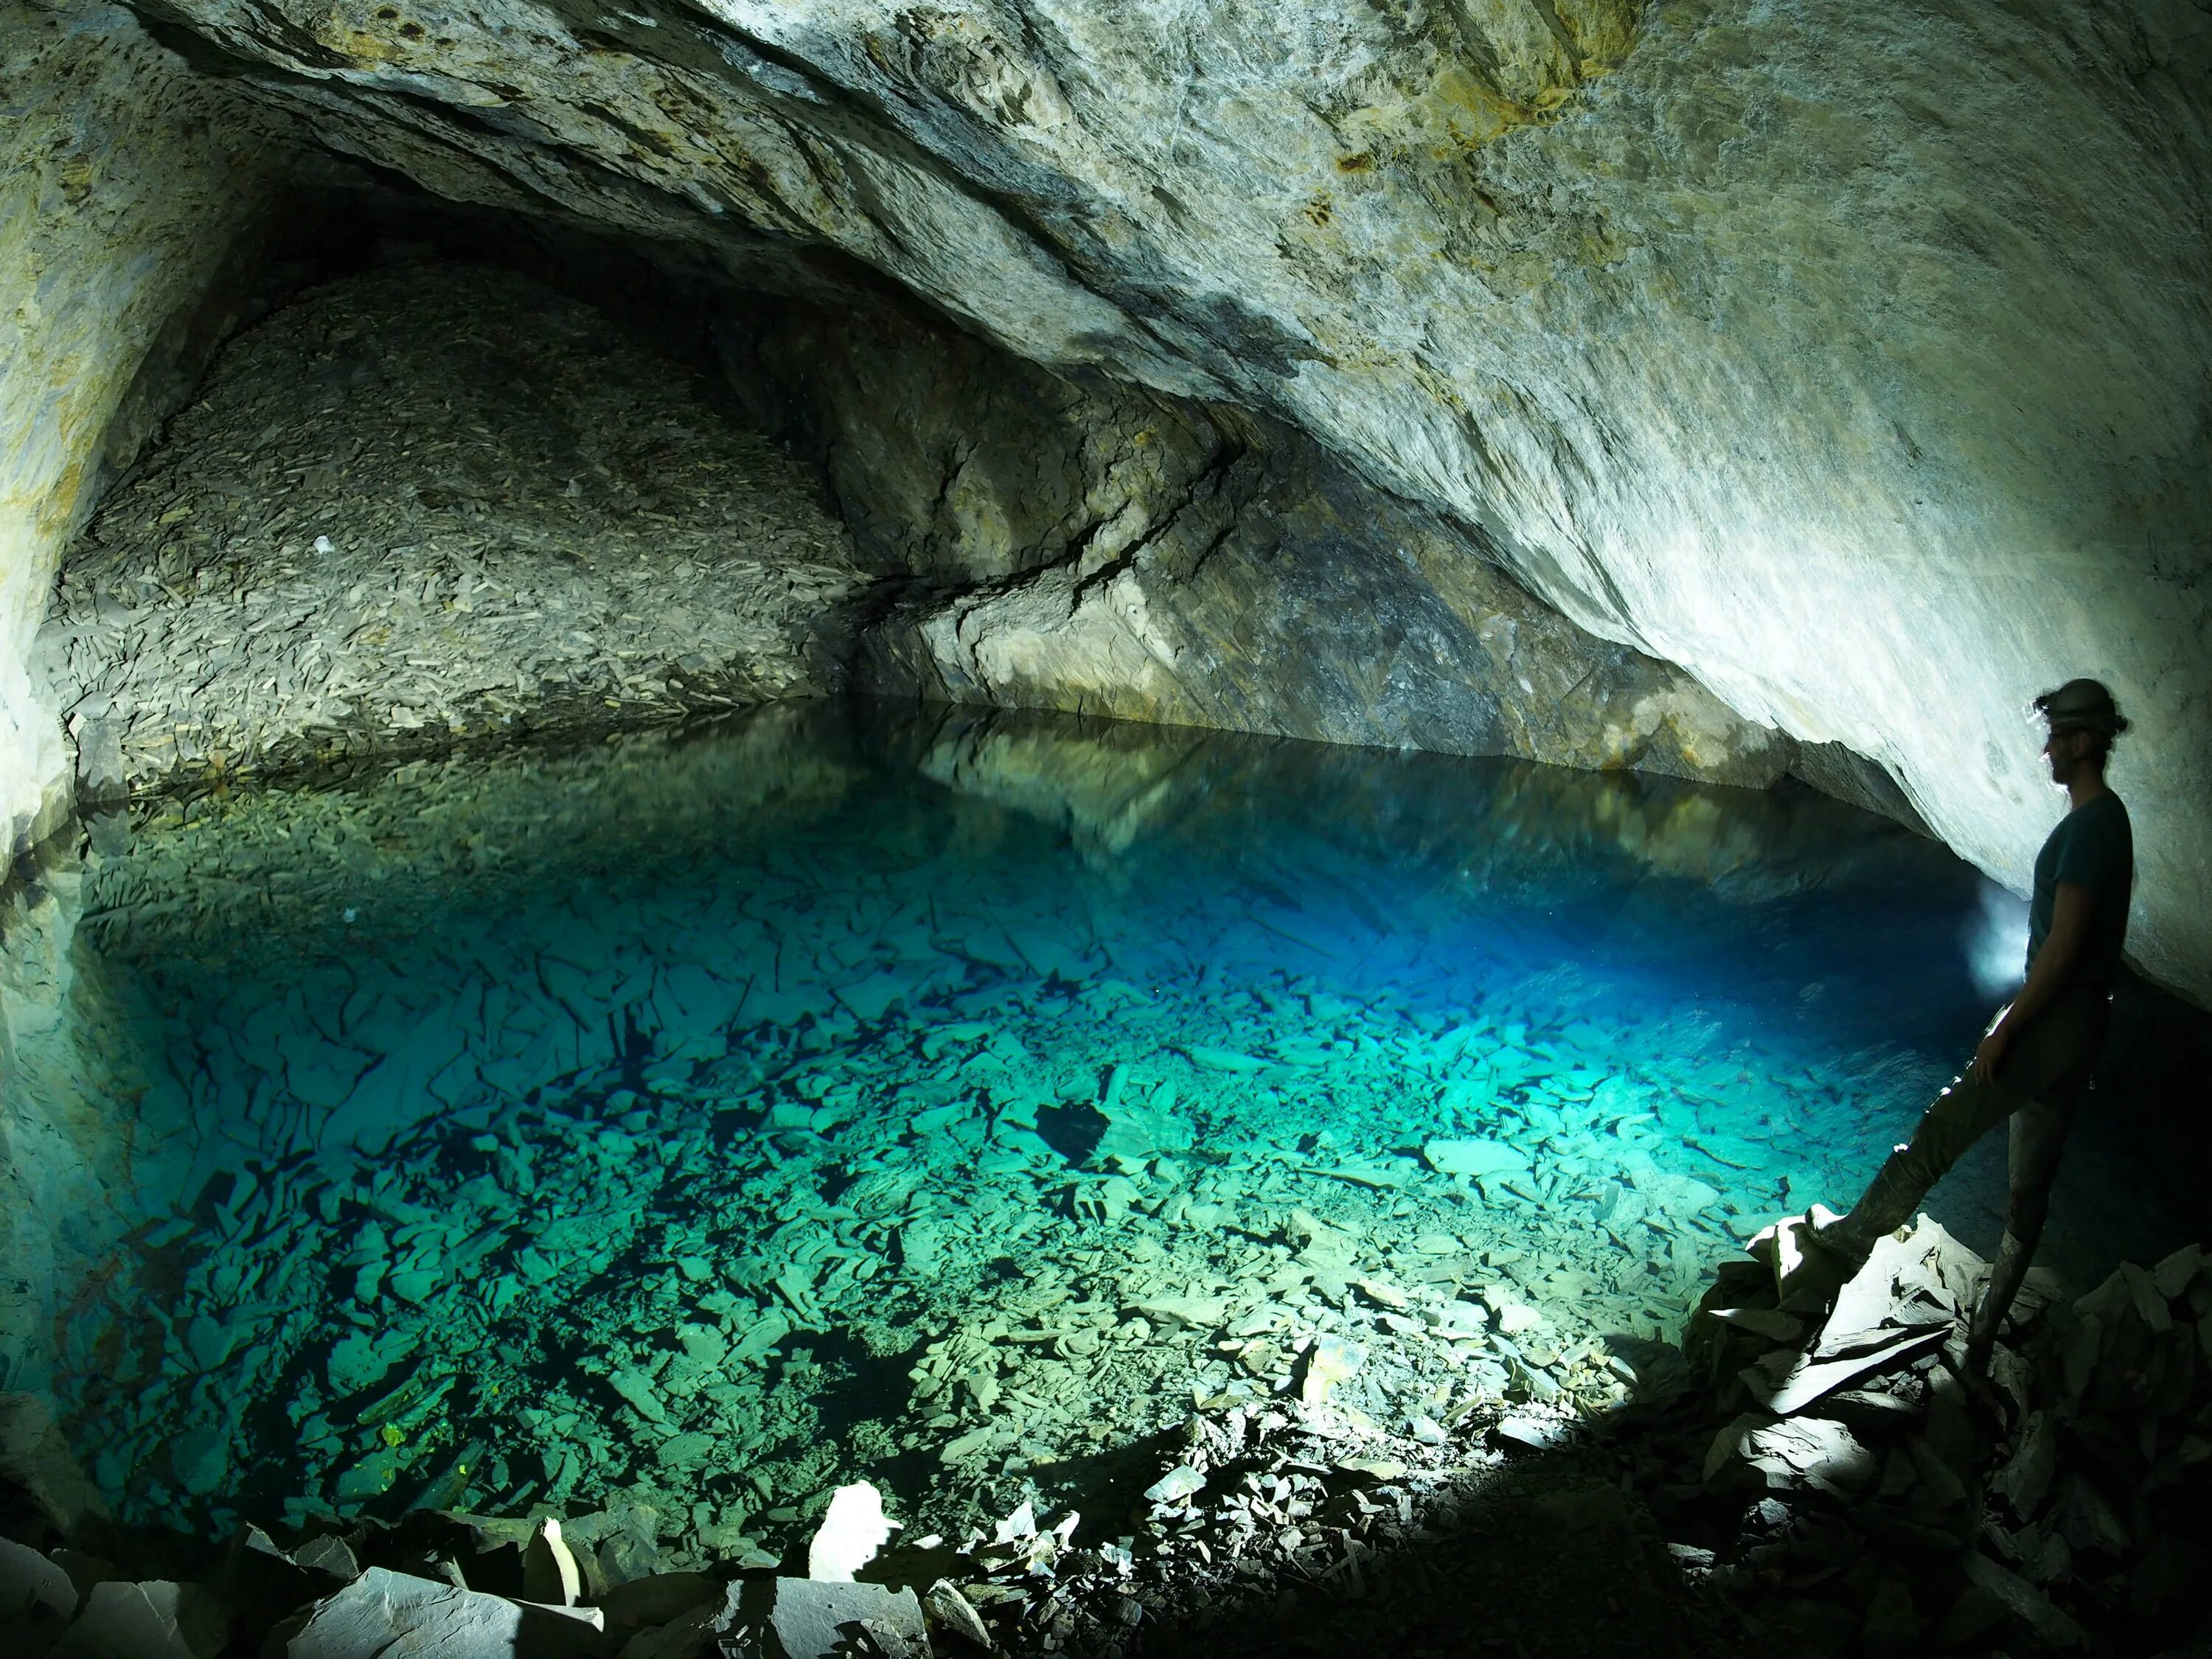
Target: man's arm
{"type": "Point", "coordinates": [2046, 976]}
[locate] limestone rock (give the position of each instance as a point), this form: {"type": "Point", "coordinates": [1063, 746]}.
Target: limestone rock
{"type": "Point", "coordinates": [814, 1620]}
{"type": "Point", "coordinates": [157, 1620]}
{"type": "Point", "coordinates": [381, 1608]}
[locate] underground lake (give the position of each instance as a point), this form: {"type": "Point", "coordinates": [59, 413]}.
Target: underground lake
{"type": "Point", "coordinates": [952, 1099]}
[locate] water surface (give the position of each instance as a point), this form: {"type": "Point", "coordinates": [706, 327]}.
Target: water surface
{"type": "Point", "coordinates": [681, 1126]}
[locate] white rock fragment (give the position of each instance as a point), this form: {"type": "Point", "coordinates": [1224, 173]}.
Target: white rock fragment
{"type": "Point", "coordinates": [1475, 1157]}
{"type": "Point", "coordinates": [549, 1574]}
{"type": "Point", "coordinates": [1177, 1484]}
{"type": "Point", "coordinates": [851, 1535]}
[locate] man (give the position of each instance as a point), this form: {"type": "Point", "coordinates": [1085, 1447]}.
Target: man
{"type": "Point", "coordinates": [2037, 1054]}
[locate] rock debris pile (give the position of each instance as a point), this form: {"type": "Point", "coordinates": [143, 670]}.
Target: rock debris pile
{"type": "Point", "coordinates": [1867, 1493]}
{"type": "Point", "coordinates": [426, 502]}
{"type": "Point", "coordinates": [1881, 1505]}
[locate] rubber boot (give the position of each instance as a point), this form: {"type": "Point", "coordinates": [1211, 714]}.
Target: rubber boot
{"type": "Point", "coordinates": [2005, 1273]}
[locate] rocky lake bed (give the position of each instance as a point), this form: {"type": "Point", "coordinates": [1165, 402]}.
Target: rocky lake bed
{"type": "Point", "coordinates": [1084, 1137]}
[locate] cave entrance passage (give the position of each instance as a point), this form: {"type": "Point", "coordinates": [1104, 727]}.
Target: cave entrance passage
{"type": "Point", "coordinates": [702, 1116]}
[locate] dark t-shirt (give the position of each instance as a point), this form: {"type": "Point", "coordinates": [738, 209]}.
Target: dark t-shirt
{"type": "Point", "coordinates": [2095, 846]}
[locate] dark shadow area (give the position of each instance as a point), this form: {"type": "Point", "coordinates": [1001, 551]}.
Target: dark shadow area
{"type": "Point", "coordinates": [1548, 1556]}
{"type": "Point", "coordinates": [1073, 1130]}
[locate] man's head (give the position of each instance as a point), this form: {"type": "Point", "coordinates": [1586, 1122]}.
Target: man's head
{"type": "Point", "coordinates": [2083, 719]}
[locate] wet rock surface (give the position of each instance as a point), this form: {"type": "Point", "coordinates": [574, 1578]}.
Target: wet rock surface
{"type": "Point", "coordinates": [1893, 1499]}
{"type": "Point", "coordinates": [427, 504]}
{"type": "Point", "coordinates": [438, 503]}
{"type": "Point", "coordinates": [1095, 548]}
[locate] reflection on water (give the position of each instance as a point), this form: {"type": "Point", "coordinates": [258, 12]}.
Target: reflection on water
{"type": "Point", "coordinates": [696, 1123]}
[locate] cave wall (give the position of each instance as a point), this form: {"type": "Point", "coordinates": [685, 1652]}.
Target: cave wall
{"type": "Point", "coordinates": [92, 1137]}
{"type": "Point", "coordinates": [1078, 545]}
{"type": "Point", "coordinates": [130, 191]}
{"type": "Point", "coordinates": [1852, 358]}
{"type": "Point", "coordinates": [430, 503]}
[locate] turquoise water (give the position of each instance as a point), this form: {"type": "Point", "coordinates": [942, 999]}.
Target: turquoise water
{"type": "Point", "coordinates": [688, 1125]}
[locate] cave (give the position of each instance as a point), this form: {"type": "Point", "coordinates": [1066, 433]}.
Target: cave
{"type": "Point", "coordinates": [1067, 831]}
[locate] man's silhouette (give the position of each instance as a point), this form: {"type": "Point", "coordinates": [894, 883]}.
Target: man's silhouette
{"type": "Point", "coordinates": [2037, 1055]}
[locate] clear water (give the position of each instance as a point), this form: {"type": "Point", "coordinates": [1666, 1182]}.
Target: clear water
{"type": "Point", "coordinates": [700, 1123]}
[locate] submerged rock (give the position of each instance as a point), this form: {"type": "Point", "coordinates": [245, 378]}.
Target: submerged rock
{"type": "Point", "coordinates": [1475, 1157]}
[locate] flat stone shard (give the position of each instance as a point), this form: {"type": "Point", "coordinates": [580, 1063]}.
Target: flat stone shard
{"type": "Point", "coordinates": [1812, 1451]}
{"type": "Point", "coordinates": [2025, 1602]}
{"type": "Point", "coordinates": [1331, 1360]}
{"type": "Point", "coordinates": [1475, 1157]}
{"type": "Point", "coordinates": [34, 1589]}
{"type": "Point", "coordinates": [1808, 1380]}
{"type": "Point", "coordinates": [1195, 1312]}
{"type": "Point", "coordinates": [816, 1621]}
{"type": "Point", "coordinates": [1527, 1433]}
{"type": "Point", "coordinates": [327, 1553]}
{"type": "Point", "coordinates": [689, 1635]}
{"type": "Point", "coordinates": [157, 1620]}
{"type": "Point", "coordinates": [957, 1615]}
{"type": "Point", "coordinates": [638, 1388]}
{"type": "Point", "coordinates": [1178, 1483]}
{"type": "Point", "coordinates": [550, 1573]}
{"type": "Point", "coordinates": [382, 1612]}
